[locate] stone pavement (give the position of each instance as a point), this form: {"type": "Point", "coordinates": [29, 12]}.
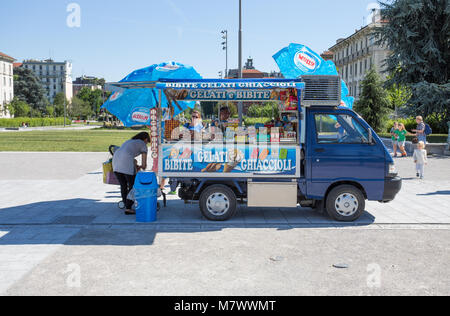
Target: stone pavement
{"type": "Point", "coordinates": [76, 195]}
{"type": "Point", "coordinates": [48, 199]}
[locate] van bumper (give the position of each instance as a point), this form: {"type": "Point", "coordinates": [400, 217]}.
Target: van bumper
{"type": "Point", "coordinates": [391, 187]}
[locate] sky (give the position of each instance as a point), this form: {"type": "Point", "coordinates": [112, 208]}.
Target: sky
{"type": "Point", "coordinates": [115, 37]}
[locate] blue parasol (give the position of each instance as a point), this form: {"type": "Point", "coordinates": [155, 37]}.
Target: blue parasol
{"type": "Point", "coordinates": [132, 106]}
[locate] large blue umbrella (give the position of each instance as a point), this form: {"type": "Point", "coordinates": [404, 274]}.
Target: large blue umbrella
{"type": "Point", "coordinates": [297, 60]}
{"type": "Point", "coordinates": [132, 106]}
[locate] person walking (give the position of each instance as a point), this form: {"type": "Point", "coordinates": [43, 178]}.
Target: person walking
{"type": "Point", "coordinates": [420, 130]}
{"type": "Point", "coordinates": [125, 166]}
{"type": "Point", "coordinates": [420, 159]}
{"type": "Point", "coordinates": [394, 137]}
{"type": "Point", "coordinates": [401, 133]}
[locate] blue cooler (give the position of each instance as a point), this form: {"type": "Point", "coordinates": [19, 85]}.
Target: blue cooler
{"type": "Point", "coordinates": [146, 194]}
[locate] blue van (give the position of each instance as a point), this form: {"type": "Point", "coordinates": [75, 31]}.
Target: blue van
{"type": "Point", "coordinates": [316, 154]}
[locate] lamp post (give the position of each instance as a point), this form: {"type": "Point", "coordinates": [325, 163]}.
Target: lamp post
{"type": "Point", "coordinates": [64, 87]}
{"type": "Point", "coordinates": [240, 105]}
{"type": "Point", "coordinates": [225, 48]}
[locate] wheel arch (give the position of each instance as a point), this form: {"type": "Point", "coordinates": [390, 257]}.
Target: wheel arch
{"type": "Point", "coordinates": [233, 185]}
{"type": "Point", "coordinates": [346, 182]}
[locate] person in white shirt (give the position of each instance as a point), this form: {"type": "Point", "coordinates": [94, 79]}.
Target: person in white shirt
{"type": "Point", "coordinates": [420, 159]}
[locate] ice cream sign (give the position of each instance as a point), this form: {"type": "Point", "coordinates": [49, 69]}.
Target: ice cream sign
{"type": "Point", "coordinates": [306, 62]}
{"type": "Point", "coordinates": [244, 159]}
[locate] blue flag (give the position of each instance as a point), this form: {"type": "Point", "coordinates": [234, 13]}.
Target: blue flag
{"type": "Point", "coordinates": [132, 106]}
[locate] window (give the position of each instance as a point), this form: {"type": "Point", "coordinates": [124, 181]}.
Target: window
{"type": "Point", "coordinates": [341, 129]}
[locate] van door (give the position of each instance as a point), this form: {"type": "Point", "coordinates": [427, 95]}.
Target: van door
{"type": "Point", "coordinates": [339, 150]}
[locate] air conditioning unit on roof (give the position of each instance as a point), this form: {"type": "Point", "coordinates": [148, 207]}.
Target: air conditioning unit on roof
{"type": "Point", "coordinates": [321, 91]}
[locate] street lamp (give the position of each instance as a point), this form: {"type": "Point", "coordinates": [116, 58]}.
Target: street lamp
{"type": "Point", "coordinates": [225, 48]}
{"type": "Point", "coordinates": [64, 86]}
{"type": "Point", "coordinates": [240, 105]}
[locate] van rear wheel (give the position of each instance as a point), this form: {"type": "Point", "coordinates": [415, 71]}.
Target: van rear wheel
{"type": "Point", "coordinates": [345, 203]}
{"type": "Point", "coordinates": [218, 203]}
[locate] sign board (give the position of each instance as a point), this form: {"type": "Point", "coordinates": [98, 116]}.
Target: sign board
{"type": "Point", "coordinates": [219, 160]}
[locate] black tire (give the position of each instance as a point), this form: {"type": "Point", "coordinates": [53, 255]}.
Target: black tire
{"type": "Point", "coordinates": [345, 203]}
{"type": "Point", "coordinates": [226, 200]}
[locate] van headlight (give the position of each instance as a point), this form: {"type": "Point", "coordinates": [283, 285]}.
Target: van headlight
{"type": "Point", "coordinates": [392, 171]}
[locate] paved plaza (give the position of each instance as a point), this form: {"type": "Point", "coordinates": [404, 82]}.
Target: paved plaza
{"type": "Point", "coordinates": [57, 218]}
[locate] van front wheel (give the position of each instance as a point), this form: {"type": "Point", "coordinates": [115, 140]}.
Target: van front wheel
{"type": "Point", "coordinates": [218, 203]}
{"type": "Point", "coordinates": [345, 203]}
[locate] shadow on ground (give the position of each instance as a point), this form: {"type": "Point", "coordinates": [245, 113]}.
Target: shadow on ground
{"type": "Point", "coordinates": [93, 222]}
{"type": "Point", "coordinates": [447, 192]}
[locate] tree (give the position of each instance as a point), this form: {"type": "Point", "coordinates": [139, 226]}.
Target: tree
{"type": "Point", "coordinates": [398, 97]}
{"type": "Point", "coordinates": [19, 108]}
{"type": "Point", "coordinates": [208, 108]}
{"type": "Point", "coordinates": [58, 104]}
{"type": "Point", "coordinates": [268, 109]}
{"type": "Point", "coordinates": [231, 105]}
{"type": "Point", "coordinates": [373, 103]}
{"type": "Point", "coordinates": [93, 97]}
{"type": "Point", "coordinates": [50, 110]}
{"type": "Point", "coordinates": [28, 88]}
{"type": "Point", "coordinates": [80, 109]}
{"type": "Point", "coordinates": [418, 36]}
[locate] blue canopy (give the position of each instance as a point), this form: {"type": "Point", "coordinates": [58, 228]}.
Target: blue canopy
{"type": "Point", "coordinates": [132, 106]}
{"type": "Point", "coordinates": [297, 60]}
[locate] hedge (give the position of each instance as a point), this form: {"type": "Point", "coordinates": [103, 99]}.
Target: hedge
{"type": "Point", "coordinates": [434, 138]}
{"type": "Point", "coordinates": [34, 122]}
{"type": "Point", "coordinates": [410, 124]}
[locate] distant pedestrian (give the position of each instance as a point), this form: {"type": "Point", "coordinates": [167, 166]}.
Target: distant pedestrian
{"type": "Point", "coordinates": [420, 159]}
{"type": "Point", "coordinates": [394, 137]}
{"type": "Point", "coordinates": [401, 133]}
{"type": "Point", "coordinates": [420, 130]}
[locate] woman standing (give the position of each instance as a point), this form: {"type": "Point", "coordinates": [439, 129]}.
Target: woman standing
{"type": "Point", "coordinates": [125, 167]}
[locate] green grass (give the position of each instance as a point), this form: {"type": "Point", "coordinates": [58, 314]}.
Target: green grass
{"type": "Point", "coordinates": [63, 141]}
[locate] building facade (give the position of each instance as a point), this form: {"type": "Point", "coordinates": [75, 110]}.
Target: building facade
{"type": "Point", "coordinates": [55, 77]}
{"type": "Point", "coordinates": [355, 55]}
{"type": "Point", "coordinates": [6, 84]}
{"type": "Point", "coordinates": [85, 82]}
{"type": "Point", "coordinates": [250, 72]}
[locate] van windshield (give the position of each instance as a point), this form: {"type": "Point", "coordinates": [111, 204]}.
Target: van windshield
{"type": "Point", "coordinates": [342, 129]}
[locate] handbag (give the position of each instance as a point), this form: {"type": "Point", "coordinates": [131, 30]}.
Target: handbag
{"type": "Point", "coordinates": [108, 174]}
